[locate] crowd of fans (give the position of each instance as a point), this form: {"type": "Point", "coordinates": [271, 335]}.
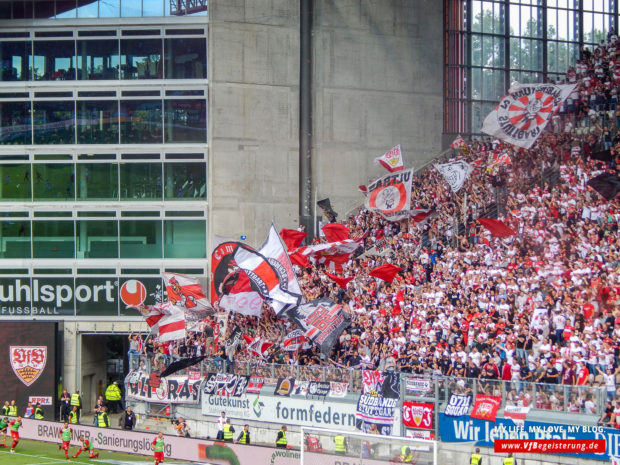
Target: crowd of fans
{"type": "Point", "coordinates": [475, 311]}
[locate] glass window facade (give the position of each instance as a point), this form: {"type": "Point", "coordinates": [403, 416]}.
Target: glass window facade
{"type": "Point", "coordinates": [67, 9]}
{"type": "Point", "coordinates": [16, 121]}
{"type": "Point", "coordinates": [105, 58]}
{"type": "Point", "coordinates": [54, 122]}
{"type": "Point", "coordinates": [492, 43]}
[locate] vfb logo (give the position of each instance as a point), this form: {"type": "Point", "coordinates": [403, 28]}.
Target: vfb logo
{"type": "Point", "coordinates": [28, 362]}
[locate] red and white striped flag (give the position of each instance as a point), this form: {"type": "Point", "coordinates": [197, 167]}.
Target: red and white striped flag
{"type": "Point", "coordinates": [516, 412]}
{"type": "Point", "coordinates": [332, 254]}
{"type": "Point", "coordinates": [172, 326]}
{"type": "Point", "coordinates": [457, 143]}
{"type": "Point", "coordinates": [391, 160]}
{"type": "Point", "coordinates": [256, 346]}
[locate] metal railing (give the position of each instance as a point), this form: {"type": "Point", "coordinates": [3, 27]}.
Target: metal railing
{"type": "Point", "coordinates": [538, 396]}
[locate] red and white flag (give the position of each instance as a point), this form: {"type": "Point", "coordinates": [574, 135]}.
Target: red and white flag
{"type": "Point", "coordinates": [292, 238]}
{"type": "Point", "coordinates": [270, 283]}
{"type": "Point", "coordinates": [524, 111]}
{"type": "Point", "coordinates": [331, 254]}
{"type": "Point", "coordinates": [172, 326]}
{"type": "Point", "coordinates": [256, 346]}
{"type": "Point", "coordinates": [335, 232]}
{"type": "Point", "coordinates": [421, 216]}
{"type": "Point", "coordinates": [391, 160]}
{"type": "Point", "coordinates": [185, 292]}
{"type": "Point", "coordinates": [273, 249]}
{"type": "Point", "coordinates": [242, 298]}
{"type": "Point", "coordinates": [457, 143]}
{"type": "Point", "coordinates": [386, 272]}
{"type": "Point", "coordinates": [391, 195]}
{"type": "Point", "coordinates": [516, 412]}
{"type": "Point", "coordinates": [294, 340]}
{"type": "Point", "coordinates": [255, 385]}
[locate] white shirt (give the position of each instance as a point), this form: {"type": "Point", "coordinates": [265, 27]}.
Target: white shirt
{"type": "Point", "coordinates": [221, 421]}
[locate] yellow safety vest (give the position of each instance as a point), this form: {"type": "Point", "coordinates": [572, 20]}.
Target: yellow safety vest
{"type": "Point", "coordinates": [102, 420]}
{"type": "Point", "coordinates": [38, 414]}
{"type": "Point", "coordinates": [113, 393]}
{"type": "Point", "coordinates": [12, 410]}
{"type": "Point", "coordinates": [404, 457]}
{"type": "Point", "coordinates": [509, 461]}
{"type": "Point", "coordinates": [475, 459]}
{"type": "Point", "coordinates": [228, 434]}
{"type": "Point", "coordinates": [339, 443]}
{"type": "Point", "coordinates": [73, 417]}
{"type": "Point", "coordinates": [75, 399]}
{"type": "Point", "coordinates": [282, 441]}
{"type": "Point", "coordinates": [244, 437]}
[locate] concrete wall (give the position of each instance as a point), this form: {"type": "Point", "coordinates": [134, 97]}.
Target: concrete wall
{"type": "Point", "coordinates": [254, 113]}
{"type": "Point", "coordinates": [378, 82]}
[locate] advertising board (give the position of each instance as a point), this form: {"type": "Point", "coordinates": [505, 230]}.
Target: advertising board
{"type": "Point", "coordinates": [176, 448]}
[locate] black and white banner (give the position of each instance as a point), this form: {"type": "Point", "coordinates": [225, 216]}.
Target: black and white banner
{"type": "Point", "coordinates": [322, 322]}
{"type": "Point", "coordinates": [458, 405]}
{"type": "Point", "coordinates": [225, 384]}
{"type": "Point", "coordinates": [171, 390]}
{"type": "Point", "coordinates": [455, 173]}
{"type": "Point", "coordinates": [318, 388]}
{"type": "Point", "coordinates": [375, 410]}
{"type": "Point", "coordinates": [391, 195]}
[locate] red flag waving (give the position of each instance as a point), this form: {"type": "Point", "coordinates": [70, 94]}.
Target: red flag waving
{"type": "Point", "coordinates": [498, 228]}
{"type": "Point", "coordinates": [300, 260]}
{"type": "Point", "coordinates": [385, 272]}
{"type": "Point", "coordinates": [335, 232]}
{"type": "Point", "coordinates": [342, 282]}
{"type": "Point", "coordinates": [486, 407]}
{"type": "Point", "coordinates": [292, 238]}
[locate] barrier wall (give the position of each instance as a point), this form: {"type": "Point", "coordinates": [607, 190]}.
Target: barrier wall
{"type": "Point", "coordinates": [176, 447]}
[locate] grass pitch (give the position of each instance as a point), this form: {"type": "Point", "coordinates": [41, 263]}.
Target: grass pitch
{"type": "Point", "coordinates": [43, 453]}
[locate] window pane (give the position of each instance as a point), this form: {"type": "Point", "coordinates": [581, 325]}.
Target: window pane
{"type": "Point", "coordinates": [53, 239]}
{"type": "Point", "coordinates": [15, 239]}
{"type": "Point", "coordinates": [22, 9]}
{"type": "Point", "coordinates": [130, 8]}
{"type": "Point", "coordinates": [141, 181]}
{"type": "Point", "coordinates": [53, 181]}
{"type": "Point", "coordinates": [44, 9]}
{"type": "Point", "coordinates": [141, 122]}
{"type": "Point", "coordinates": [54, 122]}
{"type": "Point", "coordinates": [98, 59]}
{"type": "Point", "coordinates": [110, 8]}
{"type": "Point", "coordinates": [15, 119]}
{"type": "Point", "coordinates": [15, 182]}
{"type": "Point", "coordinates": [185, 239]}
{"type": "Point", "coordinates": [54, 60]}
{"type": "Point", "coordinates": [97, 121]}
{"type": "Point", "coordinates": [97, 239]}
{"type": "Point", "coordinates": [141, 239]}
{"type": "Point", "coordinates": [186, 58]}
{"type": "Point", "coordinates": [97, 181]}
{"type": "Point", "coordinates": [65, 8]}
{"type": "Point", "coordinates": [186, 120]}
{"type": "Point", "coordinates": [141, 59]}
{"type": "Point", "coordinates": [15, 57]}
{"type": "Point", "coordinates": [87, 8]}
{"type": "Point", "coordinates": [152, 7]}
{"type": "Point", "coordinates": [185, 181]}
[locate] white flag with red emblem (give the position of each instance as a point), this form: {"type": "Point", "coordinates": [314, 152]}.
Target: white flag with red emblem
{"type": "Point", "coordinates": [185, 293]}
{"type": "Point", "coordinates": [172, 326]}
{"type": "Point", "coordinates": [523, 113]}
{"type": "Point", "coordinates": [391, 160]}
{"type": "Point", "coordinates": [457, 143]}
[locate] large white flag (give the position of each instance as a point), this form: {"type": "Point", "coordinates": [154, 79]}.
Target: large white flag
{"type": "Point", "coordinates": [455, 173]}
{"type": "Point", "coordinates": [523, 113]}
{"type": "Point", "coordinates": [274, 251]}
{"type": "Point", "coordinates": [391, 160]}
{"type": "Point", "coordinates": [172, 326]}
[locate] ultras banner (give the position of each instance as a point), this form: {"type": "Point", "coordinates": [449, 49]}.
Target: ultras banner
{"type": "Point", "coordinates": [176, 448]}
{"type": "Point", "coordinates": [376, 410]}
{"type": "Point", "coordinates": [170, 390]}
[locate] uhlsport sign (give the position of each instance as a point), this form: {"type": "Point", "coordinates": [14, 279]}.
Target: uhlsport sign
{"type": "Point", "coordinates": [62, 296]}
{"type": "Point", "coordinates": [282, 410]}
{"type": "Point", "coordinates": [177, 448]}
{"type": "Point", "coordinates": [485, 433]}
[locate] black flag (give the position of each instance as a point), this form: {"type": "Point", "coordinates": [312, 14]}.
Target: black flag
{"type": "Point", "coordinates": [326, 206]}
{"type": "Point", "coordinates": [606, 184]}
{"type": "Point", "coordinates": [180, 364]}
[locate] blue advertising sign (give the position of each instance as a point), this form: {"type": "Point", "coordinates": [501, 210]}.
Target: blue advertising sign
{"type": "Point", "coordinates": [484, 433]}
